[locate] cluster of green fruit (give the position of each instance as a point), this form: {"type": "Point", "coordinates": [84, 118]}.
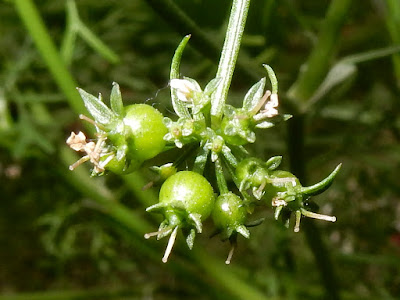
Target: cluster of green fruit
{"type": "Point", "coordinates": [128, 136]}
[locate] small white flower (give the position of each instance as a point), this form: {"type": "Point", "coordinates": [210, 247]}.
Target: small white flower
{"type": "Point", "coordinates": [270, 107]}
{"type": "Point", "coordinates": [184, 88]}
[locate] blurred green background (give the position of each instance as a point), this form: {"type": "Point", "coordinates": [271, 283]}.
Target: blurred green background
{"type": "Point", "coordinates": [64, 235]}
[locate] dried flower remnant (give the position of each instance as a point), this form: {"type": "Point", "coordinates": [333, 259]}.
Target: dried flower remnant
{"type": "Point", "coordinates": [93, 150]}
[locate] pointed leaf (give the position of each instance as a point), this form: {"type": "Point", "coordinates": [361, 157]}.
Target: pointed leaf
{"type": "Point", "coordinates": [116, 100]}
{"type": "Point", "coordinates": [265, 125]}
{"type": "Point", "coordinates": [164, 230]}
{"type": "Point", "coordinates": [196, 85]}
{"type": "Point", "coordinates": [229, 111]}
{"type": "Point", "coordinates": [255, 222]}
{"type": "Point", "coordinates": [201, 160]}
{"type": "Point", "coordinates": [273, 162]}
{"type": "Point", "coordinates": [179, 107]}
{"type": "Point", "coordinates": [338, 74]}
{"type": "Point", "coordinates": [156, 208]}
{"type": "Point", "coordinates": [286, 117]}
{"type": "Point", "coordinates": [196, 218]}
{"type": "Point", "coordinates": [253, 96]}
{"type": "Point", "coordinates": [321, 186]}
{"type": "Point", "coordinates": [167, 122]}
{"type": "Point", "coordinates": [230, 158]}
{"type": "Point", "coordinates": [190, 238]}
{"type": "Point", "coordinates": [278, 211]}
{"type": "Point", "coordinates": [99, 111]}
{"type": "Point", "coordinates": [244, 185]}
{"type": "Point", "coordinates": [122, 150]}
{"type": "Point", "coordinates": [211, 86]}
{"type": "Point", "coordinates": [243, 231]}
{"type": "Point", "coordinates": [272, 78]}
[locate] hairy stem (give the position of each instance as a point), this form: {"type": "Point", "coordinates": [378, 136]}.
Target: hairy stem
{"type": "Point", "coordinates": [228, 58]}
{"type": "Point", "coordinates": [183, 24]}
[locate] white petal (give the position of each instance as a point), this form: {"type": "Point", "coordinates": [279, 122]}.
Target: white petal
{"type": "Point", "coordinates": [184, 86]}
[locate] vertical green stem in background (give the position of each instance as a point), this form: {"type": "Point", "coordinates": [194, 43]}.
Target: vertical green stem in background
{"type": "Point", "coordinates": [228, 58]}
{"type": "Point", "coordinates": [393, 25]}
{"type": "Point", "coordinates": [319, 61]}
{"type": "Point", "coordinates": [296, 129]}
{"type": "Point", "coordinates": [34, 24]}
{"type": "Point", "coordinates": [307, 83]}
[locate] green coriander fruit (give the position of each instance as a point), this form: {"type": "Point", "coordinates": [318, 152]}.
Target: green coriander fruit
{"type": "Point", "coordinates": [229, 215]}
{"type": "Point", "coordinates": [120, 167]}
{"type": "Point", "coordinates": [144, 131]}
{"type": "Point", "coordinates": [278, 182]}
{"type": "Point", "coordinates": [186, 199]}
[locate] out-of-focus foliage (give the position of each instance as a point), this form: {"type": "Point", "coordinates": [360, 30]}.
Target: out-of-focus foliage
{"type": "Point", "coordinates": [55, 237]}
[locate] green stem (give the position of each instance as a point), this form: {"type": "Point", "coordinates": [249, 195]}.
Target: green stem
{"type": "Point", "coordinates": [307, 83]}
{"type": "Point", "coordinates": [312, 234]}
{"type": "Point", "coordinates": [34, 24]}
{"type": "Point", "coordinates": [228, 58]}
{"type": "Point", "coordinates": [319, 61]}
{"type": "Point", "coordinates": [93, 189]}
{"type": "Point", "coordinates": [393, 25]}
{"type": "Point", "coordinates": [74, 27]}
{"type": "Point", "coordinates": [183, 24]}
{"type": "Point", "coordinates": [226, 278]}
{"type": "Point", "coordinates": [219, 174]}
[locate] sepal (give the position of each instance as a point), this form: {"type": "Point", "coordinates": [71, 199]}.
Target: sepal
{"type": "Point", "coordinates": [156, 208]}
{"type": "Point", "coordinates": [273, 163]}
{"type": "Point", "coordinates": [212, 86]}
{"type": "Point", "coordinates": [196, 218]}
{"type": "Point", "coordinates": [243, 231]}
{"type": "Point", "coordinates": [116, 101]}
{"type": "Point", "coordinates": [190, 238]}
{"type": "Point", "coordinates": [99, 111]}
{"type": "Point", "coordinates": [253, 96]}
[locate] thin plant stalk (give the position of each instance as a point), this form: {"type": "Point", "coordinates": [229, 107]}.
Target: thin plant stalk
{"type": "Point", "coordinates": [183, 24]}
{"type": "Point", "coordinates": [300, 93]}
{"type": "Point", "coordinates": [393, 26]}
{"type": "Point", "coordinates": [319, 61]}
{"type": "Point", "coordinates": [76, 27]}
{"type": "Point", "coordinates": [228, 58]}
{"type": "Point", "coordinates": [30, 16]}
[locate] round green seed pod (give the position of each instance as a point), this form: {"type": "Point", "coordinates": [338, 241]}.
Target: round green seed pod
{"type": "Point", "coordinates": [144, 131]}
{"type": "Point", "coordinates": [229, 215]}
